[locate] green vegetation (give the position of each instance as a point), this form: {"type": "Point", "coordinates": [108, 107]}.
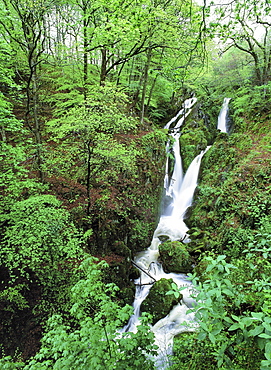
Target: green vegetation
{"type": "Point", "coordinates": [158, 303]}
{"type": "Point", "coordinates": [175, 257]}
{"type": "Point", "coordinates": [233, 312]}
{"type": "Point", "coordinates": [85, 90]}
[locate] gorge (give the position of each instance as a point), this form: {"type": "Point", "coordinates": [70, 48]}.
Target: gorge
{"type": "Point", "coordinates": [177, 198]}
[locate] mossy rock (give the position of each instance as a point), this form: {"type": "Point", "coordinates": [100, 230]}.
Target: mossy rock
{"type": "Point", "coordinates": [175, 257]}
{"type": "Point", "coordinates": [157, 303]}
{"type": "Point", "coordinates": [193, 140]}
{"type": "Point", "coordinates": [121, 249]}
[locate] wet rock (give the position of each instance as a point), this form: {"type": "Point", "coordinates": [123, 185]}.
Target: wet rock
{"type": "Point", "coordinates": [157, 302]}
{"type": "Point", "coordinates": [194, 138]}
{"type": "Point", "coordinates": [163, 238]}
{"type": "Point", "coordinates": [175, 257]}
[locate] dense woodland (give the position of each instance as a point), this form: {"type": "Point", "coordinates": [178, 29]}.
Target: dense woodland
{"type": "Point", "coordinates": [86, 88]}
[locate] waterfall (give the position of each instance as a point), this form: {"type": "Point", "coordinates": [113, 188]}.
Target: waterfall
{"type": "Point", "coordinates": [173, 181]}
{"type": "Point", "coordinates": [178, 196]}
{"type": "Point", "coordinates": [222, 117]}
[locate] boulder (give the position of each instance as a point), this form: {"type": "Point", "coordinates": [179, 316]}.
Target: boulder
{"type": "Point", "coordinates": [157, 303]}
{"type": "Point", "coordinates": [175, 257]}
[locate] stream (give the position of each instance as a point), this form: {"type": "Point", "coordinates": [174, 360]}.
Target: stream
{"type": "Point", "coordinates": [178, 195]}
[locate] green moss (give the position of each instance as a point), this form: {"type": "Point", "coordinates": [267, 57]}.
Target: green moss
{"type": "Point", "coordinates": [233, 195]}
{"type": "Point", "coordinates": [175, 257]}
{"type": "Point", "coordinates": [157, 302]}
{"type": "Point", "coordinates": [194, 138]}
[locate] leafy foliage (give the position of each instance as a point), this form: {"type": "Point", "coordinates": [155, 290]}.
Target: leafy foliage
{"type": "Point", "coordinates": [93, 341]}
{"type": "Point", "coordinates": [35, 224]}
{"type": "Point", "coordinates": [257, 101]}
{"type": "Point", "coordinates": [92, 126]}
{"type": "Point", "coordinates": [86, 70]}
{"type": "Point", "coordinates": [224, 320]}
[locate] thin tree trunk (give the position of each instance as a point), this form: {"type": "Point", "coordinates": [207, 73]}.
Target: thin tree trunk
{"type": "Point", "coordinates": [3, 133]}
{"type": "Point", "coordinates": [119, 73]}
{"type": "Point", "coordinates": [85, 52]}
{"type": "Point", "coordinates": [103, 66]}
{"type": "Point", "coordinates": [145, 82]}
{"type": "Point", "coordinates": [89, 149]}
{"type": "Point", "coordinates": [37, 124]}
{"type": "Point", "coordinates": [150, 95]}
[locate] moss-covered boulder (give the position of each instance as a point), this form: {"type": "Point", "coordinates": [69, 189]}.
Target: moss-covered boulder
{"type": "Point", "coordinates": [194, 139]}
{"type": "Point", "coordinates": [157, 302]}
{"type": "Point", "coordinates": [175, 257]}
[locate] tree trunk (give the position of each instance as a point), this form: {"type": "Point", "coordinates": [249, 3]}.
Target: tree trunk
{"type": "Point", "coordinates": [145, 82]}
{"type": "Point", "coordinates": [37, 123]}
{"type": "Point", "coordinates": [103, 66]}
{"type": "Point", "coordinates": [32, 109]}
{"type": "Point", "coordinates": [89, 150]}
{"type": "Point", "coordinates": [150, 94]}
{"type": "Point", "coordinates": [85, 53]}
{"type": "Point", "coordinates": [31, 115]}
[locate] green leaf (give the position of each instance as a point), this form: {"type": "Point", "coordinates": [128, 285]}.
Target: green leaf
{"type": "Point", "coordinates": [265, 336]}
{"type": "Point", "coordinates": [220, 258]}
{"type": "Point", "coordinates": [235, 326]}
{"type": "Point", "coordinates": [268, 350]}
{"type": "Point", "coordinates": [228, 292]}
{"type": "Point", "coordinates": [267, 326]}
{"type": "Point", "coordinates": [256, 331]}
{"type": "Point", "coordinates": [202, 335]}
{"type": "Point", "coordinates": [265, 365]}
{"type": "Point", "coordinates": [176, 295]}
{"type": "Point", "coordinates": [257, 315]}
{"type": "Point", "coordinates": [203, 326]}
{"type": "Point", "coordinates": [212, 338]}
{"type": "Point", "coordinates": [228, 319]}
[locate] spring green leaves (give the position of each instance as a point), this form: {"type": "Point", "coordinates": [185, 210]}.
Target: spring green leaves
{"type": "Point", "coordinates": [39, 236]}
{"type": "Point", "coordinates": [222, 315]}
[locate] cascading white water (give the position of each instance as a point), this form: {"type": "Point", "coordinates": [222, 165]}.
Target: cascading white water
{"type": "Point", "coordinates": [222, 121]}
{"type": "Point", "coordinates": [179, 192]}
